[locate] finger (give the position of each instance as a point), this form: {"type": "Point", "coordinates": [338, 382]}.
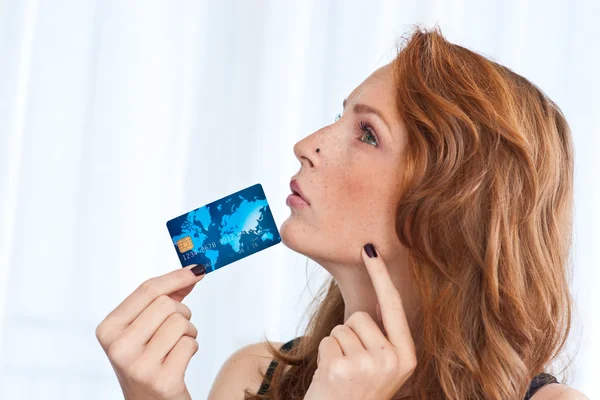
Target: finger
{"type": "Point", "coordinates": [348, 340]}
{"type": "Point", "coordinates": [140, 298]}
{"type": "Point", "coordinates": [166, 337]}
{"type": "Point", "coordinates": [147, 323]}
{"type": "Point", "coordinates": [367, 331]}
{"type": "Point", "coordinates": [379, 320]}
{"type": "Point", "coordinates": [329, 348]}
{"type": "Point", "coordinates": [392, 311]}
{"type": "Point", "coordinates": [179, 357]}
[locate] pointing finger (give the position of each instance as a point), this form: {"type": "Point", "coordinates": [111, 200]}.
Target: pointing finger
{"type": "Point", "coordinates": [390, 302]}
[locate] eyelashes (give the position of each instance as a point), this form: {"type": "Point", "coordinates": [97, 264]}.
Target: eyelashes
{"type": "Point", "coordinates": [366, 128]}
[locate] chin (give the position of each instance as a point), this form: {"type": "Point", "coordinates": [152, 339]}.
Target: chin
{"type": "Point", "coordinates": [296, 236]}
{"type": "Point", "coordinates": [291, 234]}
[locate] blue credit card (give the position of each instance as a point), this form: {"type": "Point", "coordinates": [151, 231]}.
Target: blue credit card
{"type": "Point", "coordinates": [225, 230]}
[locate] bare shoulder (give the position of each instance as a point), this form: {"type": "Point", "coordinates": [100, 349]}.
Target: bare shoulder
{"type": "Point", "coordinates": [239, 372]}
{"type": "Point", "coordinates": [558, 391]}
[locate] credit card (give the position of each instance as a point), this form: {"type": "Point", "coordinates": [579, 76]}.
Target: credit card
{"type": "Point", "coordinates": [226, 230]}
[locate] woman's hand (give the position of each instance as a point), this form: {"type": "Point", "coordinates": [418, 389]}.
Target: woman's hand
{"type": "Point", "coordinates": [357, 361]}
{"type": "Point", "coordinates": [149, 338]}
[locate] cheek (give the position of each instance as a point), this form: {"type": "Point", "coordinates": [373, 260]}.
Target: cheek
{"type": "Point", "coordinates": [356, 206]}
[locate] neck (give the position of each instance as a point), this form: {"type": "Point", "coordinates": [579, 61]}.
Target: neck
{"type": "Point", "coordinates": [359, 294]}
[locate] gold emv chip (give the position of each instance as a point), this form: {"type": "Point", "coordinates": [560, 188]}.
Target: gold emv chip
{"type": "Point", "coordinates": [185, 244]}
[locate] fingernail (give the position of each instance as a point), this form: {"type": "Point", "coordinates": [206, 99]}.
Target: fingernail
{"type": "Point", "coordinates": [199, 270]}
{"type": "Point", "coordinates": [370, 249]}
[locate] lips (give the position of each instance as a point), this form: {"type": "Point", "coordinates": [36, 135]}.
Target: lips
{"type": "Point", "coordinates": [295, 188]}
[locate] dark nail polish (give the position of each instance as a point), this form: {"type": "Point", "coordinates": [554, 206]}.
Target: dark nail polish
{"type": "Point", "coordinates": [199, 269]}
{"type": "Point", "coordinates": [370, 249]}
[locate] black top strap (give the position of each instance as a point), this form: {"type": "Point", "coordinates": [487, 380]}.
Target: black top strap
{"type": "Point", "coordinates": [538, 382]}
{"type": "Point", "coordinates": [266, 381]}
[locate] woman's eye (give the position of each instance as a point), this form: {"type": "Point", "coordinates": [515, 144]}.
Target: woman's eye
{"type": "Point", "coordinates": [368, 131]}
{"type": "Point", "coordinates": [366, 128]}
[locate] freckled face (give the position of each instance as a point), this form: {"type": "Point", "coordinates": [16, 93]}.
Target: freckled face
{"type": "Point", "coordinates": [352, 183]}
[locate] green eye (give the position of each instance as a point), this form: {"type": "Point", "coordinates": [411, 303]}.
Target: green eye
{"type": "Point", "coordinates": [368, 130]}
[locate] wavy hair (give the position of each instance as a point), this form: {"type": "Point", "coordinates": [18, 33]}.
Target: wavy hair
{"type": "Point", "coordinates": [486, 214]}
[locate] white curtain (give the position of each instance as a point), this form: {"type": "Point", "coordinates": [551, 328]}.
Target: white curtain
{"type": "Point", "coordinates": [116, 116]}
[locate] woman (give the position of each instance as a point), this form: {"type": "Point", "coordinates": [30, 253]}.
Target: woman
{"type": "Point", "coordinates": [457, 174]}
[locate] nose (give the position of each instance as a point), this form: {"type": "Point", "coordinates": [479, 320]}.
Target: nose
{"type": "Point", "coordinates": [306, 152]}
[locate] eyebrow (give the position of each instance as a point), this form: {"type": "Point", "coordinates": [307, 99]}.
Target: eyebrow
{"type": "Point", "coordinates": [365, 109]}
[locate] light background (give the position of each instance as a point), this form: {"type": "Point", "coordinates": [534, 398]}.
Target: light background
{"type": "Point", "coordinates": [116, 116]}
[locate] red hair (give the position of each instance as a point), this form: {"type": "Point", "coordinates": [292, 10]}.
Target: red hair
{"type": "Point", "coordinates": [486, 213]}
